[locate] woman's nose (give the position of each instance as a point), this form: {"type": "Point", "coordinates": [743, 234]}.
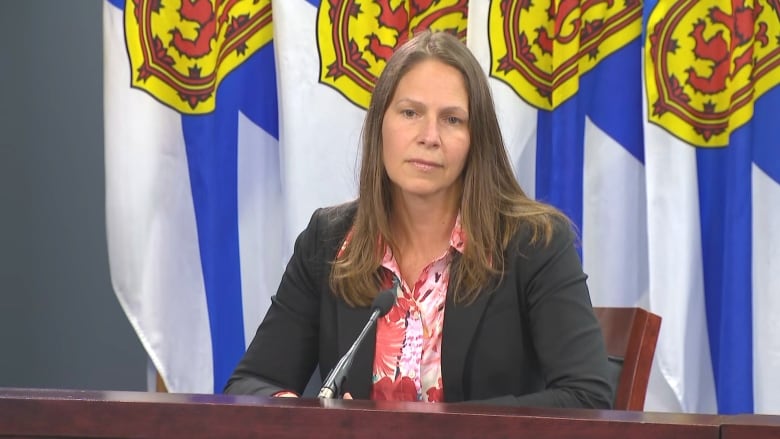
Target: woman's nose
{"type": "Point", "coordinates": [429, 134]}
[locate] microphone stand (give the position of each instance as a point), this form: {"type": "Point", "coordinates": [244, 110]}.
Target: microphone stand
{"type": "Point", "coordinates": [331, 387]}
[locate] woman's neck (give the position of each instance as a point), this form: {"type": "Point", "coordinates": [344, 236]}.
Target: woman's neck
{"type": "Point", "coordinates": [422, 227]}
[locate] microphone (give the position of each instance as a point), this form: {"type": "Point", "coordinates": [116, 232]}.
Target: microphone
{"type": "Point", "coordinates": [332, 385]}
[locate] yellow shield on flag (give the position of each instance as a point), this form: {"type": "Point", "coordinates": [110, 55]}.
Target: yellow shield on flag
{"type": "Point", "coordinates": [356, 38]}
{"type": "Point", "coordinates": [180, 50]}
{"type": "Point", "coordinates": [540, 48]}
{"type": "Point", "coordinates": [706, 66]}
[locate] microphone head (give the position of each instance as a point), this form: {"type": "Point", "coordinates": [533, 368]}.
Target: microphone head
{"type": "Point", "coordinates": [384, 301]}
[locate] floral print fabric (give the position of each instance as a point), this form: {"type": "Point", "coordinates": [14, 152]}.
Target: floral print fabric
{"type": "Point", "coordinates": [407, 360]}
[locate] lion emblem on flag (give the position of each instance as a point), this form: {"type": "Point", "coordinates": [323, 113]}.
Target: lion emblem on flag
{"type": "Point", "coordinates": [541, 48]}
{"type": "Point", "coordinates": [706, 66]}
{"type": "Point", "coordinates": [355, 38]}
{"type": "Point", "coordinates": [180, 50]}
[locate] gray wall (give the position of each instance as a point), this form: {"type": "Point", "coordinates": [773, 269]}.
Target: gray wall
{"type": "Point", "coordinates": [60, 323]}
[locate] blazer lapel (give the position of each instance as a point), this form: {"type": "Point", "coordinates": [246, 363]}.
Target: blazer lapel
{"type": "Point", "coordinates": [460, 326]}
{"type": "Point", "coordinates": [350, 323]}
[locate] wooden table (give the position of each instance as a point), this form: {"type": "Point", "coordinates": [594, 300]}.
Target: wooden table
{"type": "Point", "coordinates": [38, 413]}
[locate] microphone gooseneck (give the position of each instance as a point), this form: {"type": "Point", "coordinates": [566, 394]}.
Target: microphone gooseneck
{"type": "Point", "coordinates": [333, 384]}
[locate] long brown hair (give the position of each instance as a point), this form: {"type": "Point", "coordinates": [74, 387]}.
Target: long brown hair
{"type": "Point", "coordinates": [492, 206]}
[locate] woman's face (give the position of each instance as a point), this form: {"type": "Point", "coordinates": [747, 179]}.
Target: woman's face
{"type": "Point", "coordinates": [425, 132]}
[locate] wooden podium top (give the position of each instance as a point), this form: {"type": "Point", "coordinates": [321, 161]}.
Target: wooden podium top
{"type": "Point", "coordinates": [750, 426]}
{"type": "Point", "coordinates": [95, 414]}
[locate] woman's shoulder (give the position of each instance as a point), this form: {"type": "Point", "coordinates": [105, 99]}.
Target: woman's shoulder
{"type": "Point", "coordinates": [330, 224]}
{"type": "Point", "coordinates": [544, 233]}
{"type": "Point", "coordinates": [552, 254]}
{"type": "Point", "coordinates": [338, 211]}
{"type": "Point", "coordinates": [336, 217]}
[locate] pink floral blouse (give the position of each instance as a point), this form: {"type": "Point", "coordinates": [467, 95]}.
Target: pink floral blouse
{"type": "Point", "coordinates": [407, 362]}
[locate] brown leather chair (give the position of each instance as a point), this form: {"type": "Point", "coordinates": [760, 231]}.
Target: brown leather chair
{"type": "Point", "coordinates": [630, 335]}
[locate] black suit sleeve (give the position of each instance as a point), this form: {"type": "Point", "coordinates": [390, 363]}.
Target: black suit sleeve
{"type": "Point", "coordinates": [284, 351]}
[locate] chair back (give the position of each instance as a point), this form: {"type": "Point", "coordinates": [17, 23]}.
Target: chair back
{"type": "Point", "coordinates": [630, 335]}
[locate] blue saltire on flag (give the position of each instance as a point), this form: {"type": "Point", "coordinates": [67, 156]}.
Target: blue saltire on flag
{"type": "Point", "coordinates": [561, 132]}
{"type": "Point", "coordinates": [212, 156]}
{"type": "Point", "coordinates": [152, 253]}
{"type": "Point", "coordinates": [727, 212]}
{"type": "Point", "coordinates": [727, 238]}
{"type": "Point", "coordinates": [724, 176]}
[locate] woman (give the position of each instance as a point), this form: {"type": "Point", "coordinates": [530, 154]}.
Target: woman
{"type": "Point", "coordinates": [492, 303]}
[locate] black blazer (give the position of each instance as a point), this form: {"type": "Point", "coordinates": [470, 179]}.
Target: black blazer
{"type": "Point", "coordinates": [532, 341]}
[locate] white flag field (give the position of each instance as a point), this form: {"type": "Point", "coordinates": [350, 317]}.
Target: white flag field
{"type": "Point", "coordinates": [228, 123]}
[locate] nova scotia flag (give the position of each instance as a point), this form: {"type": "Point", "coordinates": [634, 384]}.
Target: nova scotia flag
{"type": "Point", "coordinates": [576, 143]}
{"type": "Point", "coordinates": [193, 186]}
{"type": "Point", "coordinates": [713, 176]}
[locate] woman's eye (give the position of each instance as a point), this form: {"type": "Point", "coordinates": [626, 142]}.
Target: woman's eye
{"type": "Point", "coordinates": [452, 120]}
{"type": "Point", "coordinates": [408, 113]}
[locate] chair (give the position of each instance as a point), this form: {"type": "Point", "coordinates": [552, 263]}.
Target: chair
{"type": "Point", "coordinates": [630, 335]}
